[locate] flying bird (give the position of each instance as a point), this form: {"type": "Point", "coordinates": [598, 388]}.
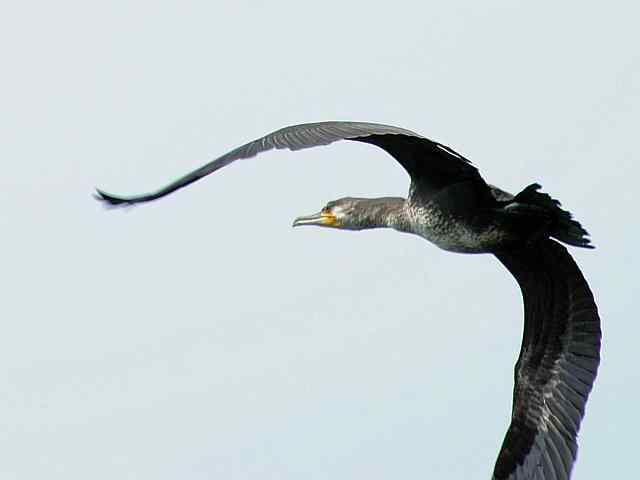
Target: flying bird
{"type": "Point", "coordinates": [450, 205]}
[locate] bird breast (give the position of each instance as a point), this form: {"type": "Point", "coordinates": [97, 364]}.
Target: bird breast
{"type": "Point", "coordinates": [461, 232]}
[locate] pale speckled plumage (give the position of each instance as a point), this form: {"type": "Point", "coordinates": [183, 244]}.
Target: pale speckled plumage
{"type": "Point", "coordinates": [450, 233]}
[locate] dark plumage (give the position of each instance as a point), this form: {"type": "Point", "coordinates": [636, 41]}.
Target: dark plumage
{"type": "Point", "coordinates": [450, 205]}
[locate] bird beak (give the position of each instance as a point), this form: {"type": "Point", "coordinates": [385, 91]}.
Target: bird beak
{"type": "Point", "coordinates": [321, 219]}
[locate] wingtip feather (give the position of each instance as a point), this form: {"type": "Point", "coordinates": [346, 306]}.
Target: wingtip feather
{"type": "Point", "coordinates": [111, 201]}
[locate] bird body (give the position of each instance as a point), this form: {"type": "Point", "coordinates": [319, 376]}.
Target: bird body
{"type": "Point", "coordinates": [451, 206]}
{"type": "Point", "coordinates": [459, 218]}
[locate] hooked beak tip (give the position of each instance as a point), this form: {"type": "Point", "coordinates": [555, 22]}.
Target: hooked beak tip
{"type": "Point", "coordinates": [310, 220]}
{"type": "Point", "coordinates": [318, 219]}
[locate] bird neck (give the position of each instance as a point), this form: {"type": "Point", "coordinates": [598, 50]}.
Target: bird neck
{"type": "Point", "coordinates": [386, 212]}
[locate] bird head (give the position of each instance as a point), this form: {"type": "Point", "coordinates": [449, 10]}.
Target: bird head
{"type": "Point", "coordinates": [353, 213]}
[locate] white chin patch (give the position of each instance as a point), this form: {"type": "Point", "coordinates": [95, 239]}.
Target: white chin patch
{"type": "Point", "coordinates": [338, 212]}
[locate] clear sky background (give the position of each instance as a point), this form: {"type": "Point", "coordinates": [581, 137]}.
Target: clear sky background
{"type": "Point", "coordinates": [201, 337]}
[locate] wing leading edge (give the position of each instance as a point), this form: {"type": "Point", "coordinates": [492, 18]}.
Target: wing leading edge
{"type": "Point", "coordinates": [414, 152]}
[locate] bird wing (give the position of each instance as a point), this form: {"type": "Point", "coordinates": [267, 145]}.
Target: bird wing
{"type": "Point", "coordinates": [556, 367]}
{"type": "Point", "coordinates": [407, 147]}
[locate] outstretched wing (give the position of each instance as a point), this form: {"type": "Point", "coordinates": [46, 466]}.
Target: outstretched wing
{"type": "Point", "coordinates": [557, 364]}
{"type": "Point", "coordinates": [418, 155]}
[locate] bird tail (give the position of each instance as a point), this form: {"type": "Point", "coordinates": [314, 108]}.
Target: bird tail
{"type": "Point", "coordinates": [563, 227]}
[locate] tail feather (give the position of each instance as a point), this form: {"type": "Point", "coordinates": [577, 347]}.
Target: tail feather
{"type": "Point", "coordinates": [563, 226]}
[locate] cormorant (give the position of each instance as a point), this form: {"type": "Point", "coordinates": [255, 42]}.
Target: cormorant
{"type": "Point", "coordinates": [450, 205]}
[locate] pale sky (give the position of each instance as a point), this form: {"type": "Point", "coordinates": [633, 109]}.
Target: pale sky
{"type": "Point", "coordinates": [201, 337]}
